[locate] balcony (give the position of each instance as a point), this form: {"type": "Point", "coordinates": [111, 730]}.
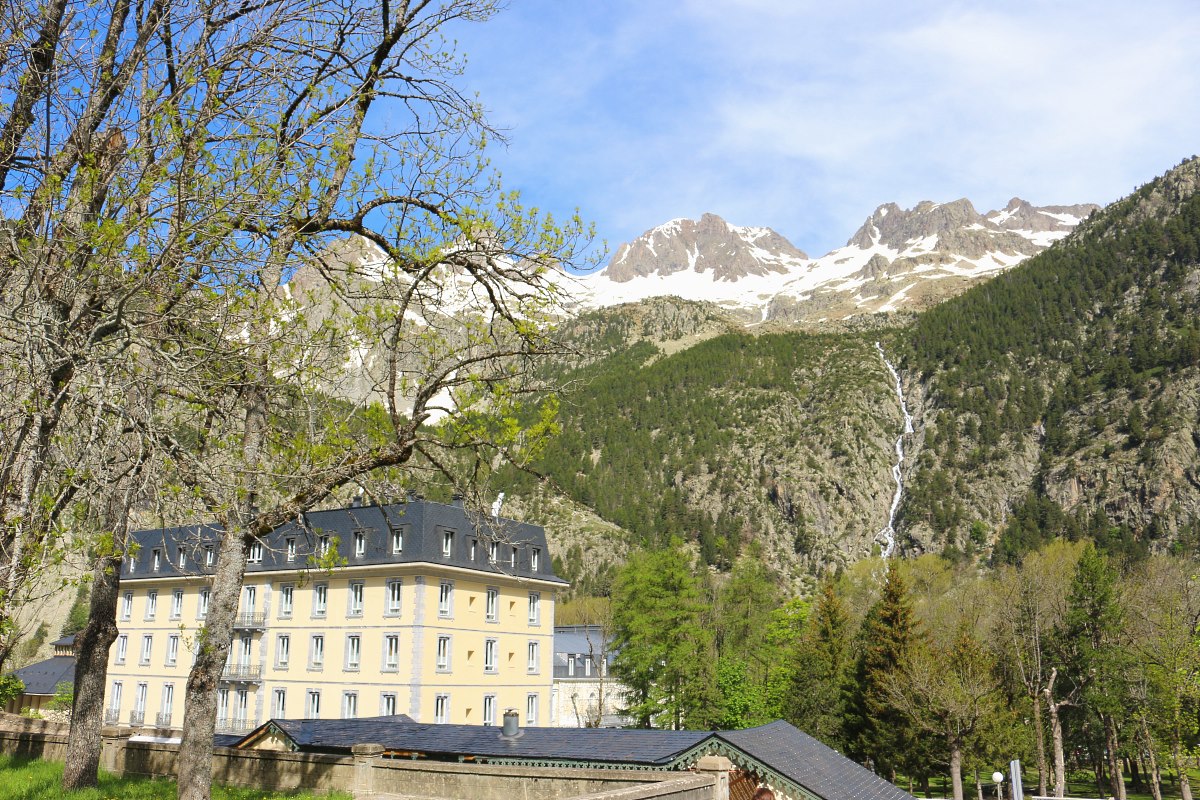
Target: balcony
{"type": "Point", "coordinates": [137, 718]}
{"type": "Point", "coordinates": [163, 719]}
{"type": "Point", "coordinates": [112, 716]}
{"type": "Point", "coordinates": [255, 620]}
{"type": "Point", "coordinates": [234, 725]}
{"type": "Point", "coordinates": [244, 673]}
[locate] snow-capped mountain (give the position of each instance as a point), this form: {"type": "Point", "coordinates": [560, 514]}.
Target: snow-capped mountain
{"type": "Point", "coordinates": [899, 258]}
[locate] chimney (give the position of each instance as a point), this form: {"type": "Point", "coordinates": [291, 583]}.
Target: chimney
{"type": "Point", "coordinates": [357, 501]}
{"type": "Point", "coordinates": [512, 724]}
{"type": "Point", "coordinates": [457, 500]}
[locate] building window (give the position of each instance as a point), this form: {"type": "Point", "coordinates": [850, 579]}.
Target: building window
{"type": "Point", "coordinates": [177, 604]}
{"type": "Point", "coordinates": [323, 545]}
{"type": "Point", "coordinates": [202, 604]}
{"type": "Point", "coordinates": [316, 652]}
{"type": "Point", "coordinates": [222, 706]}
{"type": "Point", "coordinates": [241, 707]}
{"type": "Point", "coordinates": [512, 557]}
{"type": "Point", "coordinates": [531, 709]}
{"type": "Point", "coordinates": [356, 599]}
{"type": "Point", "coordinates": [360, 545]}
{"type": "Point", "coordinates": [172, 649]}
{"type": "Point", "coordinates": [132, 563]}
{"type": "Point", "coordinates": [489, 709]}
{"type": "Point", "coordinates": [312, 706]}
{"type": "Point", "coordinates": [535, 608]}
{"type": "Point", "coordinates": [139, 701]}
{"type": "Point", "coordinates": [474, 547]}
{"type": "Point", "coordinates": [247, 646]}
{"type": "Point", "coordinates": [147, 646]}
{"type": "Point", "coordinates": [320, 599]}
{"type": "Point", "coordinates": [493, 552]}
{"type": "Point", "coordinates": [127, 605]}
{"type": "Point", "coordinates": [289, 545]}
{"type": "Point", "coordinates": [256, 553]}
{"type": "Point", "coordinates": [209, 556]}
{"type": "Point", "coordinates": [531, 665]}
{"type": "Point", "coordinates": [392, 609]}
{"type": "Point", "coordinates": [287, 593]}
{"type": "Point", "coordinates": [156, 559]}
{"type": "Point", "coordinates": [447, 544]}
{"type": "Point", "coordinates": [182, 558]}
{"type": "Point", "coordinates": [397, 541]}
{"type": "Point", "coordinates": [283, 650]}
{"type": "Point", "coordinates": [122, 648]}
{"type": "Point", "coordinates": [168, 702]}
{"type": "Point", "coordinates": [446, 599]}
{"type": "Point", "coordinates": [387, 704]}
{"type": "Point", "coordinates": [535, 559]}
{"type": "Point", "coordinates": [441, 709]}
{"type": "Point", "coordinates": [151, 604]}
{"type": "Point", "coordinates": [114, 697]}
{"type": "Point", "coordinates": [353, 651]}
{"type": "Point", "coordinates": [492, 609]}
{"type": "Point", "coordinates": [250, 598]}
{"type": "Point", "coordinates": [490, 656]}
{"type": "Point", "coordinates": [391, 652]}
{"type": "Point", "coordinates": [279, 704]}
{"type": "Point", "coordinates": [349, 705]}
{"type": "Point", "coordinates": [443, 654]}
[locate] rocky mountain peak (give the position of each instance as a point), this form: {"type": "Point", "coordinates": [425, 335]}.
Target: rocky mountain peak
{"type": "Point", "coordinates": [708, 245]}
{"type": "Point", "coordinates": [895, 227]}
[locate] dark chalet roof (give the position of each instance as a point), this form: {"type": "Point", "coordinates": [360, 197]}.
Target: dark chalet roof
{"type": "Point", "coordinates": [42, 678]}
{"type": "Point", "coordinates": [810, 764]}
{"type": "Point", "coordinates": [778, 748]}
{"type": "Point", "coordinates": [421, 522]}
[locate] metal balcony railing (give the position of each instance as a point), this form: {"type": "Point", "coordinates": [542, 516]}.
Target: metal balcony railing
{"type": "Point", "coordinates": [241, 672]}
{"type": "Point", "coordinates": [234, 725]}
{"type": "Point", "coordinates": [112, 716]}
{"type": "Point", "coordinates": [137, 718]}
{"type": "Point", "coordinates": [252, 619]}
{"type": "Point", "coordinates": [163, 719]}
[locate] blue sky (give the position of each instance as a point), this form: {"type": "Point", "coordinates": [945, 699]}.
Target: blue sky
{"type": "Point", "coordinates": [805, 116]}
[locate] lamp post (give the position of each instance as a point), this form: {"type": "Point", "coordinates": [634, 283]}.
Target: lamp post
{"type": "Point", "coordinates": [998, 777]}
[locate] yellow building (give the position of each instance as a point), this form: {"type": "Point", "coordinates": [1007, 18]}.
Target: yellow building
{"type": "Point", "coordinates": [437, 612]}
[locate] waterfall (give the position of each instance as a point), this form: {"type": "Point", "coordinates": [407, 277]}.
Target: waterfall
{"type": "Point", "coordinates": [887, 536]}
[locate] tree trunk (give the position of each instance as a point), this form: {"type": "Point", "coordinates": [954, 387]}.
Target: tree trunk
{"type": "Point", "coordinates": [91, 674]}
{"type": "Point", "coordinates": [1056, 737]}
{"type": "Point", "coordinates": [1135, 776]}
{"type": "Point", "coordinates": [978, 786]}
{"type": "Point", "coordinates": [1185, 787]}
{"type": "Point", "coordinates": [1116, 776]}
{"type": "Point", "coordinates": [956, 768]}
{"type": "Point", "coordinates": [1040, 736]}
{"type": "Point", "coordinates": [194, 765]}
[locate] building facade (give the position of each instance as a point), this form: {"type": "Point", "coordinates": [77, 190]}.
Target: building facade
{"type": "Point", "coordinates": [585, 694]}
{"type": "Point", "coordinates": [432, 611]}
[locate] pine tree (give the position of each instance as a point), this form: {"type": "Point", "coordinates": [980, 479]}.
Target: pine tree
{"type": "Point", "coordinates": [820, 670]}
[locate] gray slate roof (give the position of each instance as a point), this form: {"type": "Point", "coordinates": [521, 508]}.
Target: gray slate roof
{"type": "Point", "coordinates": [634, 747]}
{"type": "Point", "coordinates": [422, 523]}
{"type": "Point", "coordinates": [805, 761]}
{"type": "Point", "coordinates": [44, 676]}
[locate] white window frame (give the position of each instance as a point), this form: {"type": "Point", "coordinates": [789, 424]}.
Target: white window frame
{"type": "Point", "coordinates": [355, 599]}
{"type": "Point", "coordinates": [493, 552]}
{"type": "Point", "coordinates": [394, 598]}
{"type": "Point", "coordinates": [492, 604]}
{"type": "Point", "coordinates": [122, 649]}
{"type": "Point", "coordinates": [535, 559]}
{"type": "Point", "coordinates": [491, 656]}
{"type": "Point", "coordinates": [156, 559]}
{"type": "Point", "coordinates": [176, 603]}
{"type": "Point", "coordinates": [167, 706]}
{"type": "Point", "coordinates": [114, 697]}
{"type": "Point", "coordinates": [172, 649]}
{"type": "Point", "coordinates": [316, 651]}
{"type": "Point", "coordinates": [312, 704]}
{"type": "Point", "coordinates": [535, 608]}
{"type": "Point", "coordinates": [474, 549]}
{"type": "Point", "coordinates": [256, 553]}
{"type": "Point", "coordinates": [320, 606]}
{"type": "Point", "coordinates": [512, 557]}
{"type": "Point", "coordinates": [287, 600]}
{"type": "Point", "coordinates": [283, 650]}
{"type": "Point", "coordinates": [353, 660]}
{"type": "Point", "coordinates": [533, 653]}
{"type": "Point", "coordinates": [151, 605]}
{"type": "Point", "coordinates": [182, 558]}
{"type": "Point", "coordinates": [531, 709]}
{"type": "Point", "coordinates": [447, 543]}
{"type": "Point", "coordinates": [391, 652]}
{"type": "Point", "coordinates": [147, 649]}
{"type": "Point", "coordinates": [323, 545]}
{"type": "Point", "coordinates": [446, 599]}
{"type": "Point", "coordinates": [290, 548]}
{"type": "Point", "coordinates": [210, 557]}
{"type": "Point", "coordinates": [360, 544]}
{"type": "Point", "coordinates": [444, 662]}
{"type": "Point", "coordinates": [349, 705]}
{"type": "Point", "coordinates": [127, 606]}
{"type": "Point", "coordinates": [441, 709]}
{"type": "Point", "coordinates": [249, 598]}
{"type": "Point", "coordinates": [202, 599]}
{"type": "Point", "coordinates": [279, 703]}
{"type": "Point", "coordinates": [387, 704]}
{"type": "Point", "coordinates": [489, 709]}
{"type": "Point", "coordinates": [397, 541]}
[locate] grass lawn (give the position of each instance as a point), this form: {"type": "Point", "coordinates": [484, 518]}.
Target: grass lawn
{"type": "Point", "coordinates": [25, 779]}
{"type": "Point", "coordinates": [1079, 784]}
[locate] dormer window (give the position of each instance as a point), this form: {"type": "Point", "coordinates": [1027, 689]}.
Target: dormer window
{"type": "Point", "coordinates": [182, 558]}
{"type": "Point", "coordinates": [360, 545]}
{"type": "Point", "coordinates": [447, 543]}
{"type": "Point", "coordinates": [493, 552]}
{"type": "Point", "coordinates": [535, 559]}
{"type": "Point", "coordinates": [323, 546]}
{"type": "Point", "coordinates": [290, 544]}
{"type": "Point", "coordinates": [512, 558]}
{"type": "Point", "coordinates": [256, 553]}
{"type": "Point", "coordinates": [397, 541]}
{"type": "Point", "coordinates": [156, 559]}
{"type": "Point", "coordinates": [209, 556]}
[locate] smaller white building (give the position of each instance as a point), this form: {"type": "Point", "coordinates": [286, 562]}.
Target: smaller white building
{"type": "Point", "coordinates": [584, 695]}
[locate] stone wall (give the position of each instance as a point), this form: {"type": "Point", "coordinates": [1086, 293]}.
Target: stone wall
{"type": "Point", "coordinates": [366, 772]}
